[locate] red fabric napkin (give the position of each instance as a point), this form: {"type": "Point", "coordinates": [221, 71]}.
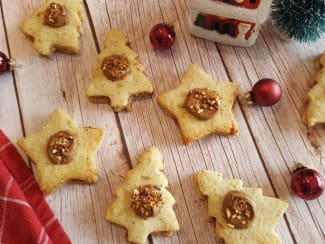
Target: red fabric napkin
{"type": "Point", "coordinates": [25, 216]}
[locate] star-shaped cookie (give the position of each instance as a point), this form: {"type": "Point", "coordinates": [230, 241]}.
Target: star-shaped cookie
{"type": "Point", "coordinates": [142, 204]}
{"type": "Point", "coordinates": [56, 26]}
{"type": "Point", "coordinates": [267, 210]}
{"type": "Point", "coordinates": [315, 111]}
{"type": "Point", "coordinates": [119, 75]}
{"type": "Point", "coordinates": [62, 151]}
{"type": "Point", "coordinates": [221, 122]}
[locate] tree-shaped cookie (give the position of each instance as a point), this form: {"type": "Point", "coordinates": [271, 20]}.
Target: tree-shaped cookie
{"type": "Point", "coordinates": [62, 151]}
{"type": "Point", "coordinates": [119, 75]}
{"type": "Point", "coordinates": [142, 204]}
{"type": "Point", "coordinates": [201, 105]}
{"type": "Point", "coordinates": [56, 26]}
{"type": "Point", "coordinates": [243, 215]}
{"type": "Point", "coordinates": [315, 111]}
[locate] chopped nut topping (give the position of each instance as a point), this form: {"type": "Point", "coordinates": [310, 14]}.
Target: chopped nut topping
{"type": "Point", "coordinates": [56, 15]}
{"type": "Point", "coordinates": [202, 103]}
{"type": "Point", "coordinates": [231, 226]}
{"type": "Point", "coordinates": [61, 147]}
{"type": "Point", "coordinates": [238, 209]}
{"type": "Point", "coordinates": [115, 67]}
{"type": "Point", "coordinates": [146, 200]}
{"type": "Point", "coordinates": [228, 213]}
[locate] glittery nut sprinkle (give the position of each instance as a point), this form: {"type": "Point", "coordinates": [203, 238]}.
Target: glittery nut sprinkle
{"type": "Point", "coordinates": [115, 67]}
{"type": "Point", "coordinates": [56, 15]}
{"type": "Point", "coordinates": [238, 209]}
{"type": "Point", "coordinates": [61, 147]}
{"type": "Point", "coordinates": [146, 201]}
{"type": "Point", "coordinates": [202, 103]}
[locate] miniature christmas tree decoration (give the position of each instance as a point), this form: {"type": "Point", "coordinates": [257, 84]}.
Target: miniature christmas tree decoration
{"type": "Point", "coordinates": [300, 20]}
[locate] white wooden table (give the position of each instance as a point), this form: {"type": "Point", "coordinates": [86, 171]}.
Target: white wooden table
{"type": "Point", "coordinates": [271, 139]}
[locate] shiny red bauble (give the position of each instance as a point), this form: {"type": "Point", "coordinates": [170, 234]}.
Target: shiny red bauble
{"type": "Point", "coordinates": [265, 92]}
{"type": "Point", "coordinates": [4, 63]}
{"type": "Point", "coordinates": [162, 36]}
{"type": "Point", "coordinates": [307, 183]}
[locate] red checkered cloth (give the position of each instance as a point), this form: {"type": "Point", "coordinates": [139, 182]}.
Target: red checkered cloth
{"type": "Point", "coordinates": [25, 216]}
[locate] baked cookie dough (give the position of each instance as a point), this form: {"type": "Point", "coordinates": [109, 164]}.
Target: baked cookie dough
{"type": "Point", "coordinates": [142, 204]}
{"type": "Point", "coordinates": [62, 151]}
{"type": "Point", "coordinates": [56, 26]}
{"type": "Point", "coordinates": [315, 111]}
{"type": "Point", "coordinates": [201, 105]}
{"type": "Point", "coordinates": [243, 215]}
{"type": "Point", "coordinates": [119, 75]}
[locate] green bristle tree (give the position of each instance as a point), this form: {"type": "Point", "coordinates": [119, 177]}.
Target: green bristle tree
{"type": "Point", "coordinates": [301, 20]}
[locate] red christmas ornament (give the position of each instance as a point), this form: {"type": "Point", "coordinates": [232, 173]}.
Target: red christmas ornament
{"type": "Point", "coordinates": [265, 92]}
{"type": "Point", "coordinates": [6, 64]}
{"type": "Point", "coordinates": [306, 183]}
{"type": "Point", "coordinates": [162, 36]}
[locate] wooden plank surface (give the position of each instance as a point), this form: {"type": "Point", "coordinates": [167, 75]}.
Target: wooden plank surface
{"type": "Point", "coordinates": [44, 84]}
{"type": "Point", "coordinates": [9, 109]}
{"type": "Point", "coordinates": [270, 140]}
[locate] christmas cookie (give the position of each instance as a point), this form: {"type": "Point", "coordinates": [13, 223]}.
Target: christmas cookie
{"type": "Point", "coordinates": [62, 151]}
{"type": "Point", "coordinates": [243, 215]}
{"type": "Point", "coordinates": [201, 105]}
{"type": "Point", "coordinates": [56, 26]}
{"type": "Point", "coordinates": [315, 111]}
{"type": "Point", "coordinates": [142, 204]}
{"type": "Point", "coordinates": [119, 76]}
